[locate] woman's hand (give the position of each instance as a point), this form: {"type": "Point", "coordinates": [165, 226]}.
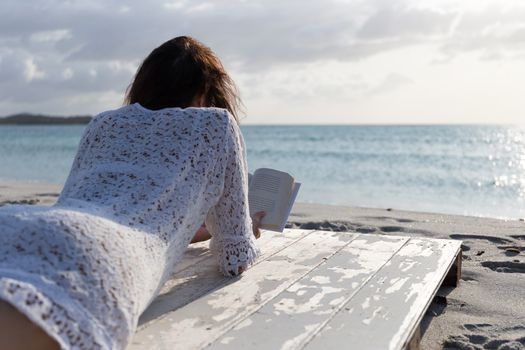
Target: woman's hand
{"type": "Point", "coordinates": [202, 233]}
{"type": "Point", "coordinates": [256, 221]}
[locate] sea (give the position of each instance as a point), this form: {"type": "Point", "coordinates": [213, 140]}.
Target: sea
{"type": "Point", "coordinates": [454, 169]}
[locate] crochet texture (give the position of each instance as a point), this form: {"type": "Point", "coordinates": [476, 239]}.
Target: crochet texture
{"type": "Point", "coordinates": [140, 186]}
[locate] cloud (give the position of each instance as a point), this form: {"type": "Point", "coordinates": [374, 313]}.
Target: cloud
{"type": "Point", "coordinates": [57, 50]}
{"type": "Point", "coordinates": [394, 21]}
{"type": "Point", "coordinates": [307, 81]}
{"type": "Point", "coordinates": [50, 36]}
{"type": "Point", "coordinates": [391, 82]}
{"type": "Point", "coordinates": [31, 71]}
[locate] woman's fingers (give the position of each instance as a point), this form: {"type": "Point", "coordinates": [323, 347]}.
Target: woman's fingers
{"type": "Point", "coordinates": [240, 270]}
{"type": "Point", "coordinates": [256, 220]}
{"type": "Point", "coordinates": [259, 215]}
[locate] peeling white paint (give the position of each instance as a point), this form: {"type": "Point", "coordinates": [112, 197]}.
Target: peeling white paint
{"type": "Point", "coordinates": [336, 301]}
{"type": "Point", "coordinates": [321, 279]}
{"type": "Point", "coordinates": [376, 312]}
{"type": "Point", "coordinates": [244, 323]}
{"type": "Point", "coordinates": [366, 304]}
{"type": "Point", "coordinates": [406, 265]}
{"type": "Point", "coordinates": [396, 284]}
{"type": "Point", "coordinates": [394, 300]}
{"type": "Point", "coordinates": [226, 340]}
{"type": "Point", "coordinates": [372, 287]}
{"type": "Point", "coordinates": [293, 342]}
{"type": "Point", "coordinates": [190, 322]}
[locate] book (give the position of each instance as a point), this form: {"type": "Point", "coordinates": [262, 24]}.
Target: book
{"type": "Point", "coordinates": [274, 192]}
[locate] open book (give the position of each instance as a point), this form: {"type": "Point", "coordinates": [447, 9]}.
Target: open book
{"type": "Point", "coordinates": [274, 192]}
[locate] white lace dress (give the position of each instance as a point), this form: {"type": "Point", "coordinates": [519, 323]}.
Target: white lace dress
{"type": "Point", "coordinates": [140, 186]}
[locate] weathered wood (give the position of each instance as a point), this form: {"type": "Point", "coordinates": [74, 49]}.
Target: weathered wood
{"type": "Point", "coordinates": [310, 289]}
{"type": "Point", "coordinates": [385, 312]}
{"type": "Point", "coordinates": [200, 274]}
{"type": "Point", "coordinates": [200, 322]}
{"type": "Point", "coordinates": [294, 316]}
{"type": "Point", "coordinates": [454, 274]}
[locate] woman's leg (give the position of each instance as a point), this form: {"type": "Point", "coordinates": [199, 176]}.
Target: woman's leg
{"type": "Point", "coordinates": [18, 332]}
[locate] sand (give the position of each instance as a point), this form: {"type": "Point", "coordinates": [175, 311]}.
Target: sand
{"type": "Point", "coordinates": [28, 193]}
{"type": "Point", "coordinates": [486, 310]}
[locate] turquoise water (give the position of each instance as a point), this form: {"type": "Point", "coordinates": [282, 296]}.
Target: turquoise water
{"type": "Point", "coordinates": [472, 170]}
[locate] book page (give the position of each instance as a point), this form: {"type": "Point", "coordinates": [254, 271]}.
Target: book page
{"type": "Point", "coordinates": [293, 196]}
{"type": "Point", "coordinates": [270, 191]}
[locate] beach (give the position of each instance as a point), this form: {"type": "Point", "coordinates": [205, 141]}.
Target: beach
{"type": "Point", "coordinates": [486, 310]}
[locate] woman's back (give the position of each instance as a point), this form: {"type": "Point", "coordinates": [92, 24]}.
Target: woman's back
{"type": "Point", "coordinates": [147, 169]}
{"type": "Point", "coordinates": [140, 186]}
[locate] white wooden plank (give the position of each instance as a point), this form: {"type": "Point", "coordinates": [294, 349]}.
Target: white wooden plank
{"type": "Point", "coordinates": [384, 313]}
{"type": "Point", "coordinates": [201, 322]}
{"type": "Point", "coordinates": [202, 276]}
{"type": "Point", "coordinates": [295, 315]}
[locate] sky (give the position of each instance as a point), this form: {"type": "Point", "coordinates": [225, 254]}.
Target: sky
{"type": "Point", "coordinates": [295, 61]}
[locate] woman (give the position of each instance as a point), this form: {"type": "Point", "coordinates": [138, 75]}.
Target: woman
{"type": "Point", "coordinates": [77, 275]}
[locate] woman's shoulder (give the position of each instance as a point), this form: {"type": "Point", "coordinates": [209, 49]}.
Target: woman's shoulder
{"type": "Point", "coordinates": [215, 118]}
{"type": "Point", "coordinates": [218, 121]}
{"type": "Point", "coordinates": [135, 109]}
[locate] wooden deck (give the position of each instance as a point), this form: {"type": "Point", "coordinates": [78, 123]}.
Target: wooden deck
{"type": "Point", "coordinates": [309, 290]}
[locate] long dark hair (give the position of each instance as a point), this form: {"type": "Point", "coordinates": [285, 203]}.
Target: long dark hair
{"type": "Point", "coordinates": [179, 70]}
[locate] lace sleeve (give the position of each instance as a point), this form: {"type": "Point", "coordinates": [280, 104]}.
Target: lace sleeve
{"type": "Point", "coordinates": [229, 221]}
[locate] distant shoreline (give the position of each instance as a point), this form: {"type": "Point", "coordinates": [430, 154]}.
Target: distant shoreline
{"type": "Point", "coordinates": [38, 119]}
